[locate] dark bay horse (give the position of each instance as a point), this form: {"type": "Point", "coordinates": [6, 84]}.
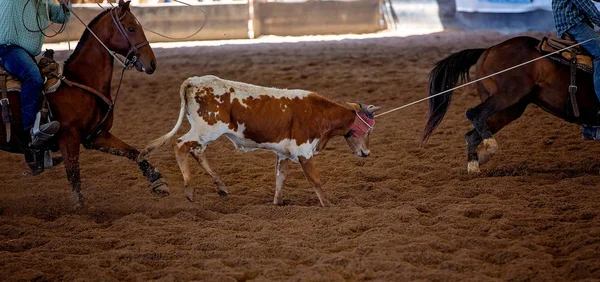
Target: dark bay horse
{"type": "Point", "coordinates": [79, 111]}
{"type": "Point", "coordinates": [505, 96]}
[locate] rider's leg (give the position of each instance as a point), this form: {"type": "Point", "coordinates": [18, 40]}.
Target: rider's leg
{"type": "Point", "coordinates": [581, 33]}
{"type": "Point", "coordinates": [20, 64]}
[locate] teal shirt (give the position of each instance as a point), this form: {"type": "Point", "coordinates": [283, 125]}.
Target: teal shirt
{"type": "Point", "coordinates": [17, 16]}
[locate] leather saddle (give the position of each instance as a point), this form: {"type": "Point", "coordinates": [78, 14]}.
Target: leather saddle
{"type": "Point", "coordinates": [50, 70]}
{"type": "Point", "coordinates": [550, 45]}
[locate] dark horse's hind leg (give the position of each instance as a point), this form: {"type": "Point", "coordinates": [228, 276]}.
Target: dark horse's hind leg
{"type": "Point", "coordinates": [473, 140]}
{"type": "Point", "coordinates": [493, 124]}
{"type": "Point", "coordinates": [108, 143]}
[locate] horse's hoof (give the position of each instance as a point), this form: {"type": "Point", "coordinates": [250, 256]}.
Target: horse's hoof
{"type": "Point", "coordinates": [57, 160]}
{"type": "Point", "coordinates": [473, 167]}
{"type": "Point", "coordinates": [77, 205]}
{"type": "Point", "coordinates": [483, 157]}
{"type": "Point", "coordinates": [490, 145]}
{"type": "Point", "coordinates": [160, 188]}
{"type": "Point", "coordinates": [77, 200]}
{"type": "Point", "coordinates": [488, 148]}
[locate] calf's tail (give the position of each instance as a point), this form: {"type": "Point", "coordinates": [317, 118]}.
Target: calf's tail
{"type": "Point", "coordinates": [159, 142]}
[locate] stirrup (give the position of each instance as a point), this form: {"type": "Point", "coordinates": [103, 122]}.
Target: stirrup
{"type": "Point", "coordinates": [39, 137]}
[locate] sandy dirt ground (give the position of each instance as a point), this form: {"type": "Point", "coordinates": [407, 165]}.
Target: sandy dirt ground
{"type": "Point", "coordinates": [404, 213]}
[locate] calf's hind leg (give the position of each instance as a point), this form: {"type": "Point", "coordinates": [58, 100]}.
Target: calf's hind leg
{"type": "Point", "coordinates": [198, 154]}
{"type": "Point", "coordinates": [182, 152]}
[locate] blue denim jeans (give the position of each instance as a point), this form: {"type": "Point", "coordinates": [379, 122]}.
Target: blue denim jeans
{"type": "Point", "coordinates": [583, 32]}
{"type": "Point", "coordinates": [22, 65]}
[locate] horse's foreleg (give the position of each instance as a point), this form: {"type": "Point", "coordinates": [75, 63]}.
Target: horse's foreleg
{"type": "Point", "coordinates": [110, 144]}
{"type": "Point", "coordinates": [69, 148]}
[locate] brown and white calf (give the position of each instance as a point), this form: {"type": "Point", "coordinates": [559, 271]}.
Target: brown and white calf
{"type": "Point", "coordinates": [294, 124]}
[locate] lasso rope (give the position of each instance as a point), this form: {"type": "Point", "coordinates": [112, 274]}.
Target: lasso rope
{"type": "Point", "coordinates": [480, 79]}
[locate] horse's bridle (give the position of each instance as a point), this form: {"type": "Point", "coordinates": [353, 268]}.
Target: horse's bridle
{"type": "Point", "coordinates": [134, 49]}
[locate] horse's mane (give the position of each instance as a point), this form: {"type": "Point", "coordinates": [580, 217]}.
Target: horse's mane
{"type": "Point", "coordinates": [85, 36]}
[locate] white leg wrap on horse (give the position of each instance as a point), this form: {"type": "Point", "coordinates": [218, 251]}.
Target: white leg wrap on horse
{"type": "Point", "coordinates": [473, 167]}
{"type": "Point", "coordinates": [488, 148]}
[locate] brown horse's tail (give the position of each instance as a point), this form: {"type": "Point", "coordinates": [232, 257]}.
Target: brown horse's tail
{"type": "Point", "coordinates": [154, 144]}
{"type": "Point", "coordinates": [444, 76]}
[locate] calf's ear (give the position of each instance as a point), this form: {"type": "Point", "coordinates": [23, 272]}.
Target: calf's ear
{"type": "Point", "coordinates": [354, 106]}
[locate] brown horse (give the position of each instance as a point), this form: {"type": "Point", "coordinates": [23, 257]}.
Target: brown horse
{"type": "Point", "coordinates": [505, 96]}
{"type": "Point", "coordinates": [80, 111]}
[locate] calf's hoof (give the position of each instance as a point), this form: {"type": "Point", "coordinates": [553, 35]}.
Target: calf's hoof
{"type": "Point", "coordinates": [278, 201]}
{"type": "Point", "coordinates": [221, 189]}
{"type": "Point", "coordinates": [189, 196]}
{"type": "Point", "coordinates": [326, 203]}
{"type": "Point", "coordinates": [160, 187]}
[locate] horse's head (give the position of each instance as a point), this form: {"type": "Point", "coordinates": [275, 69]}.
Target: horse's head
{"type": "Point", "coordinates": [358, 135]}
{"type": "Point", "coordinates": [128, 39]}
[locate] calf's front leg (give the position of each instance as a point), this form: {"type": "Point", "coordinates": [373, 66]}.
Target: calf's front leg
{"type": "Point", "coordinates": [312, 176]}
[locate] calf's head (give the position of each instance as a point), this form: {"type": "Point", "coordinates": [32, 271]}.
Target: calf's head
{"type": "Point", "coordinates": [358, 135]}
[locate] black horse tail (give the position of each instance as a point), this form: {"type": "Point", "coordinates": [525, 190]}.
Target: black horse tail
{"type": "Point", "coordinates": [444, 76]}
